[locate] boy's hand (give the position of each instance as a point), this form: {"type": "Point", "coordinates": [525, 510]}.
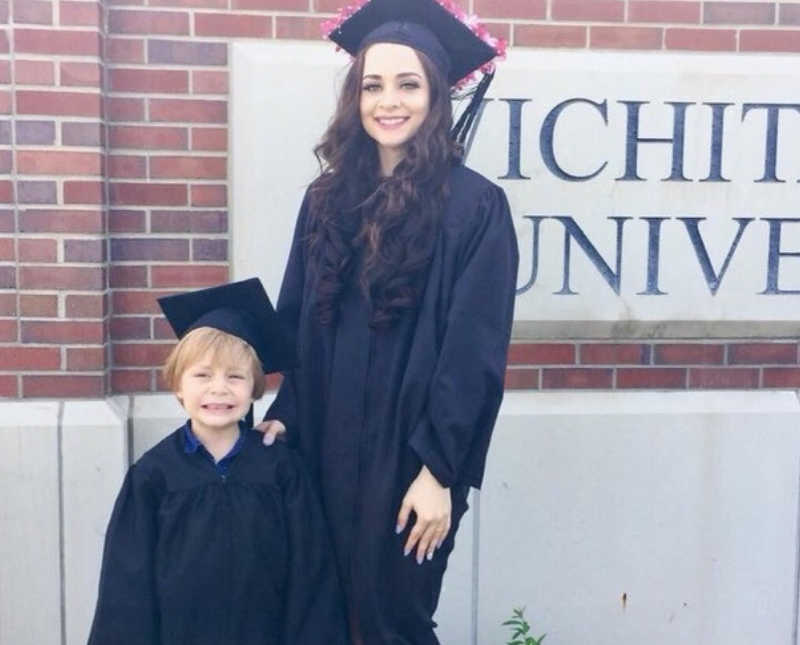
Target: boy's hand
{"type": "Point", "coordinates": [432, 505]}
{"type": "Point", "coordinates": [272, 429]}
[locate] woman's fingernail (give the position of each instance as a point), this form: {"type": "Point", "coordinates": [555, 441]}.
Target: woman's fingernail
{"type": "Point", "coordinates": [269, 439]}
{"type": "Point", "coordinates": [430, 555]}
{"type": "Point", "coordinates": [398, 529]}
{"type": "Point", "coordinates": [406, 552]}
{"type": "Point", "coordinates": [420, 558]}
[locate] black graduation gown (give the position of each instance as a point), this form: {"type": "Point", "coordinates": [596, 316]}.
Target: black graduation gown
{"type": "Point", "coordinates": [369, 407]}
{"type": "Point", "coordinates": [196, 557]}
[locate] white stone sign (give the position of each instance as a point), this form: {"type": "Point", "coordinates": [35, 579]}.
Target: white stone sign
{"type": "Point", "coordinates": [645, 187]}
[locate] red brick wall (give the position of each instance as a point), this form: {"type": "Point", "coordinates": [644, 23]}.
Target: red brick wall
{"type": "Point", "coordinates": [55, 267]}
{"type": "Point", "coordinates": [114, 186]}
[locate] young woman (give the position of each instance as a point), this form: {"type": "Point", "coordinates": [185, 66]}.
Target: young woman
{"type": "Point", "coordinates": [400, 284]}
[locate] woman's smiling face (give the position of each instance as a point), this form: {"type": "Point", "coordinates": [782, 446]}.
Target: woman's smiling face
{"type": "Point", "coordinates": [395, 99]}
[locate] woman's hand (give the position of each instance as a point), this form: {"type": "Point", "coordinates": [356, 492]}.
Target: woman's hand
{"type": "Point", "coordinates": [432, 505]}
{"type": "Point", "coordinates": [272, 429]}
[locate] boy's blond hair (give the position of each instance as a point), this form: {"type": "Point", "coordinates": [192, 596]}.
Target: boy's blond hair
{"type": "Point", "coordinates": [224, 348]}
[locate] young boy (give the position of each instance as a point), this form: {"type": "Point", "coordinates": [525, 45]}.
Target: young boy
{"type": "Point", "coordinates": [216, 539]}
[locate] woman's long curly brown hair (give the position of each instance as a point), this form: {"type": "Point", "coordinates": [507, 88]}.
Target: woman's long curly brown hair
{"type": "Point", "coordinates": [390, 223]}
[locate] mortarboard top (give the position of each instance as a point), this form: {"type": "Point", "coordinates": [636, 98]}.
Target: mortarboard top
{"type": "Point", "coordinates": [424, 25]}
{"type": "Point", "coordinates": [239, 308]}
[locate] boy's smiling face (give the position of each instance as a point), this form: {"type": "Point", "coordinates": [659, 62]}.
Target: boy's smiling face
{"type": "Point", "coordinates": [215, 393]}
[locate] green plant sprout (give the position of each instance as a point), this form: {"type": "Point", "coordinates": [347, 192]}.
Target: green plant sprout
{"type": "Point", "coordinates": [521, 629]}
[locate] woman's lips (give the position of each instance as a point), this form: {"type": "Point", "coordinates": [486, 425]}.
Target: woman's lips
{"type": "Point", "coordinates": [391, 123]}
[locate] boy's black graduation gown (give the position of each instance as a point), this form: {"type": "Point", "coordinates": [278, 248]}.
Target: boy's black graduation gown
{"type": "Point", "coordinates": [195, 555]}
{"type": "Point", "coordinates": [369, 407]}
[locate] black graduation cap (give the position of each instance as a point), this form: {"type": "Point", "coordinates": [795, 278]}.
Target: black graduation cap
{"type": "Point", "coordinates": [239, 308]}
{"type": "Point", "coordinates": [428, 27]}
{"type": "Point", "coordinates": [424, 25]}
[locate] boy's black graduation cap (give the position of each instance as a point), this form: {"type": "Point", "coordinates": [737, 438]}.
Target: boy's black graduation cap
{"type": "Point", "coordinates": [242, 309]}
{"type": "Point", "coordinates": [424, 25]}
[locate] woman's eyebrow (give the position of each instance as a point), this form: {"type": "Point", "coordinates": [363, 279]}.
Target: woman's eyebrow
{"type": "Point", "coordinates": [400, 75]}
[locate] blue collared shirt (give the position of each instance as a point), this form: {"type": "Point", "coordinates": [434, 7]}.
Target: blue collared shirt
{"type": "Point", "coordinates": [191, 444]}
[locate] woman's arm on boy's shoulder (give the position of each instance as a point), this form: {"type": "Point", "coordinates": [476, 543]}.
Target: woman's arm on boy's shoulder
{"type": "Point", "coordinates": [314, 600]}
{"type": "Point", "coordinates": [127, 609]}
{"type": "Point", "coordinates": [282, 414]}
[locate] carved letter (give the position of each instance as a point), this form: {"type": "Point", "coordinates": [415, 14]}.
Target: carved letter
{"type": "Point", "coordinates": [653, 256]}
{"type": "Point", "coordinates": [572, 230]}
{"type": "Point", "coordinates": [775, 255]}
{"type": "Point", "coordinates": [771, 144]}
{"type": "Point", "coordinates": [514, 138]}
{"type": "Point", "coordinates": [546, 140]}
{"type": "Point", "coordinates": [713, 280]}
{"type": "Point", "coordinates": [534, 255]}
{"type": "Point", "coordinates": [717, 128]}
{"type": "Point", "coordinates": [632, 140]}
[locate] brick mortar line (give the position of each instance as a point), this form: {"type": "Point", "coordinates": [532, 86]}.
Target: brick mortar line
{"type": "Point", "coordinates": [164, 234]}
{"type": "Point", "coordinates": [176, 124]}
{"type": "Point", "coordinates": [98, 319]}
{"type": "Point", "coordinates": [85, 29]}
{"type": "Point", "coordinates": [58, 371]}
{"type": "Point", "coordinates": [136, 152]}
{"type": "Point", "coordinates": [46, 147]}
{"type": "Point", "coordinates": [166, 263]}
{"type": "Point", "coordinates": [58, 236]}
{"type": "Point", "coordinates": [221, 39]}
{"type": "Point", "coordinates": [49, 292]}
{"type": "Point", "coordinates": [71, 89]}
{"type": "Point", "coordinates": [170, 181]}
{"type": "Point", "coordinates": [37, 57]}
{"type": "Point", "coordinates": [192, 12]}
{"type": "Point", "coordinates": [266, 13]}
{"type": "Point", "coordinates": [44, 264]}
{"type": "Point", "coordinates": [148, 341]}
{"type": "Point", "coordinates": [69, 207]}
{"type": "Point", "coordinates": [169, 152]}
{"type": "Point", "coordinates": [54, 343]}
{"type": "Point", "coordinates": [58, 120]}
{"type": "Point", "coordinates": [60, 178]}
{"type": "Point", "coordinates": [45, 346]}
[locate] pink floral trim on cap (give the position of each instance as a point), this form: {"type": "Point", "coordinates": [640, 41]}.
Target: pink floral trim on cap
{"type": "Point", "coordinates": [471, 21]}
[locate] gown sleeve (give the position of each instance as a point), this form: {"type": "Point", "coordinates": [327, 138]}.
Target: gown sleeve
{"type": "Point", "coordinates": [466, 389]}
{"type": "Point", "coordinates": [314, 602]}
{"type": "Point", "coordinates": [127, 610]}
{"type": "Point", "coordinates": [290, 302]}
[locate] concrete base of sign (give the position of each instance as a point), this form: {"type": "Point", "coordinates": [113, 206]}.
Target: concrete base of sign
{"type": "Point", "coordinates": [62, 465]}
{"type": "Point", "coordinates": [643, 518]}
{"type": "Point", "coordinates": [94, 458]}
{"type": "Point", "coordinates": [30, 524]}
{"type": "Point", "coordinates": [614, 518]}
